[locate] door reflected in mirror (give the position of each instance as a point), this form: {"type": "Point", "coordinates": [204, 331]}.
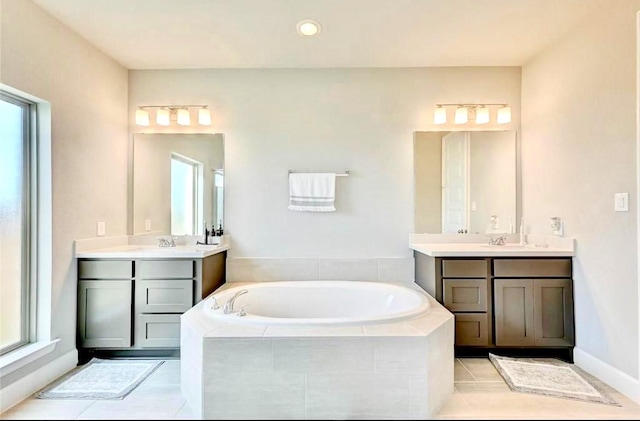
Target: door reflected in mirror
{"type": "Point", "coordinates": [465, 182]}
{"type": "Point", "coordinates": [178, 183]}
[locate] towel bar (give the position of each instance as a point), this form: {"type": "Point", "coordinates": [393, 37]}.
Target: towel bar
{"type": "Point", "coordinates": [345, 174]}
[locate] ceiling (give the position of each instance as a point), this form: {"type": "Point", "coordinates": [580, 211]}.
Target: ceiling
{"type": "Point", "coordinates": [172, 34]}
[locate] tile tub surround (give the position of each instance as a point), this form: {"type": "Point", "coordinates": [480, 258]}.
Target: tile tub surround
{"type": "Point", "coordinates": [384, 269]}
{"type": "Point", "coordinates": [401, 370]}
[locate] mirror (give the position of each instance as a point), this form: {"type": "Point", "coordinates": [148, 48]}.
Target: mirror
{"type": "Point", "coordinates": [178, 183]}
{"type": "Point", "coordinates": [465, 182]}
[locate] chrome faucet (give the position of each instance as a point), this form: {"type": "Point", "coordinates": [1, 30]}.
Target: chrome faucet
{"type": "Point", "coordinates": [228, 306]}
{"type": "Point", "coordinates": [166, 242]}
{"type": "Point", "coordinates": [497, 241]}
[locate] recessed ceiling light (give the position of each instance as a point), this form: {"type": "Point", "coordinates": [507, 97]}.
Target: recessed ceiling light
{"type": "Point", "coordinates": [308, 27]}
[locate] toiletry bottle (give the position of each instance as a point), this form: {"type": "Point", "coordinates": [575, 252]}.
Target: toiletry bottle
{"type": "Point", "coordinates": [220, 232]}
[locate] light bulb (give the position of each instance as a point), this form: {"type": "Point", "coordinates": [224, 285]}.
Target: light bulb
{"type": "Point", "coordinates": [204, 116]}
{"type": "Point", "coordinates": [504, 115]}
{"type": "Point", "coordinates": [142, 117]}
{"type": "Point", "coordinates": [183, 117]}
{"type": "Point", "coordinates": [461, 115]}
{"type": "Point", "coordinates": [482, 115]}
{"type": "Point", "coordinates": [162, 117]}
{"type": "Point", "coordinates": [440, 115]}
{"type": "Point", "coordinates": [308, 27]}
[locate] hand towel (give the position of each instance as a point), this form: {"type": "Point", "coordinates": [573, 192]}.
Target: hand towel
{"type": "Point", "coordinates": [312, 192]}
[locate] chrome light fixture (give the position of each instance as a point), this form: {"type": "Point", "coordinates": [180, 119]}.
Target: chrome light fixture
{"type": "Point", "coordinates": [204, 116]}
{"type": "Point", "coordinates": [184, 119]}
{"type": "Point", "coordinates": [163, 117]}
{"type": "Point", "coordinates": [142, 117]}
{"type": "Point", "coordinates": [462, 115]}
{"type": "Point", "coordinates": [504, 115]}
{"type": "Point", "coordinates": [165, 114]}
{"type": "Point", "coordinates": [440, 115]}
{"type": "Point", "coordinates": [482, 115]}
{"type": "Point", "coordinates": [479, 112]}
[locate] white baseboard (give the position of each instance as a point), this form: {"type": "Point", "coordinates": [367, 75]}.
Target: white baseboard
{"type": "Point", "coordinates": [615, 378]}
{"type": "Point", "coordinates": [18, 391]}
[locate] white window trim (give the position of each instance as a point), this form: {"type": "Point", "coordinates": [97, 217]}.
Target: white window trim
{"type": "Point", "coordinates": [41, 296]}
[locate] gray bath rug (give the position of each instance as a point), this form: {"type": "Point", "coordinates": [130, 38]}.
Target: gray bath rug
{"type": "Point", "coordinates": [550, 377]}
{"type": "Point", "coordinates": [100, 379]}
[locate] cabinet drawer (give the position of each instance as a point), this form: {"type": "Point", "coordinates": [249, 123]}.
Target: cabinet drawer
{"type": "Point", "coordinates": [164, 295]}
{"type": "Point", "coordinates": [468, 268]}
{"type": "Point", "coordinates": [164, 269]}
{"type": "Point", "coordinates": [158, 331]}
{"type": "Point", "coordinates": [465, 294]}
{"type": "Point", "coordinates": [531, 267]}
{"type": "Point", "coordinates": [105, 269]}
{"type": "Point", "coordinates": [472, 329]}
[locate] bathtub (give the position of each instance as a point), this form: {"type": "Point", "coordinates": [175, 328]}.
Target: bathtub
{"type": "Point", "coordinates": [317, 350]}
{"type": "Point", "coordinates": [312, 303]}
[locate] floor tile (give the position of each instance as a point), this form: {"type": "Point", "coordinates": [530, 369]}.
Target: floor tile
{"type": "Point", "coordinates": [50, 409]}
{"type": "Point", "coordinates": [479, 393]}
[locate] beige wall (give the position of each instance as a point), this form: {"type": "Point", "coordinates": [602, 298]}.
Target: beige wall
{"type": "Point", "coordinates": [88, 95]}
{"type": "Point", "coordinates": [579, 141]}
{"type": "Point", "coordinates": [330, 120]}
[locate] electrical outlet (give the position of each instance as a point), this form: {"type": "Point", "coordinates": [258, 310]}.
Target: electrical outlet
{"type": "Point", "coordinates": [621, 202]}
{"type": "Point", "coordinates": [147, 224]}
{"type": "Point", "coordinates": [102, 228]}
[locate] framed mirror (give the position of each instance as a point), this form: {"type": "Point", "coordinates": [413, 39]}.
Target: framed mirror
{"type": "Point", "coordinates": [465, 182]}
{"type": "Point", "coordinates": [178, 183]}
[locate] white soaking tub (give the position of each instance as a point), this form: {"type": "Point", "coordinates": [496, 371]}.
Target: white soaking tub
{"type": "Point", "coordinates": [318, 303]}
{"type": "Point", "coordinates": [317, 350]}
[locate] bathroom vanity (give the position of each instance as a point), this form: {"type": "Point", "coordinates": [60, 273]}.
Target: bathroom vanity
{"type": "Point", "coordinates": [505, 298]}
{"type": "Point", "coordinates": [130, 298]}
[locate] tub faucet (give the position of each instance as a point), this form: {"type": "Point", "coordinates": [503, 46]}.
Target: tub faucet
{"type": "Point", "coordinates": [228, 306]}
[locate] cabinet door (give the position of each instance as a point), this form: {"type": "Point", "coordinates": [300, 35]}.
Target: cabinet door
{"type": "Point", "coordinates": [104, 313]}
{"type": "Point", "coordinates": [465, 294]}
{"type": "Point", "coordinates": [158, 331]}
{"type": "Point", "coordinates": [472, 329]}
{"type": "Point", "coordinates": [553, 310]}
{"type": "Point", "coordinates": [514, 322]}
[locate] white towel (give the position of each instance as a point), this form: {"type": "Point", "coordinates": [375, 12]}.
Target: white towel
{"type": "Point", "coordinates": [312, 192]}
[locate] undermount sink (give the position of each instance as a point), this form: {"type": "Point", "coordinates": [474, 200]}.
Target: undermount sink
{"type": "Point", "coordinates": [506, 246]}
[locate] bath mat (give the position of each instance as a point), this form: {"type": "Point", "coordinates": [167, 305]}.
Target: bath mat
{"type": "Point", "coordinates": [550, 377]}
{"type": "Point", "coordinates": [100, 379]}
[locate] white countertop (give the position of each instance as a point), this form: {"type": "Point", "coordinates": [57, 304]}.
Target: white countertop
{"type": "Point", "coordinates": [486, 250]}
{"type": "Point", "coordinates": [134, 251]}
{"type": "Point", "coordinates": [147, 247]}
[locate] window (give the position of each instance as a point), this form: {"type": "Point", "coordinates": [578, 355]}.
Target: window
{"type": "Point", "coordinates": [17, 117]}
{"type": "Point", "coordinates": [184, 195]}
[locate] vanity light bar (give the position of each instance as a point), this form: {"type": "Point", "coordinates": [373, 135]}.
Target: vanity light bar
{"type": "Point", "coordinates": [464, 111]}
{"type": "Point", "coordinates": [179, 113]}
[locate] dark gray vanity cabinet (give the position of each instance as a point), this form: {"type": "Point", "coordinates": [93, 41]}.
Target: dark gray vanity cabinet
{"type": "Point", "coordinates": [136, 304]}
{"type": "Point", "coordinates": [465, 293]}
{"type": "Point", "coordinates": [533, 302]}
{"type": "Point", "coordinates": [503, 302]}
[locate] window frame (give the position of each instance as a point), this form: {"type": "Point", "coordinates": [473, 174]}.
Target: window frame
{"type": "Point", "coordinates": [29, 214]}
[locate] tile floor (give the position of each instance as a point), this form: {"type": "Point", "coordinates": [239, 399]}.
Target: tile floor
{"type": "Point", "coordinates": [480, 393]}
